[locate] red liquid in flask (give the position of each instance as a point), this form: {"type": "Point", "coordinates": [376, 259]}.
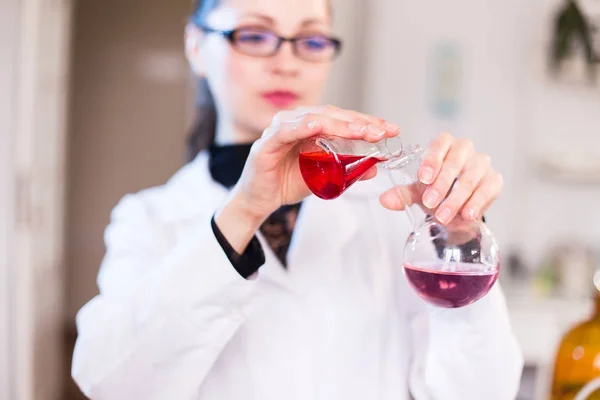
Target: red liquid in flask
{"type": "Point", "coordinates": [451, 289]}
{"type": "Point", "coordinates": [328, 175]}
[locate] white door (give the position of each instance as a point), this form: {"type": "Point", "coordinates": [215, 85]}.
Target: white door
{"type": "Point", "coordinates": [33, 92]}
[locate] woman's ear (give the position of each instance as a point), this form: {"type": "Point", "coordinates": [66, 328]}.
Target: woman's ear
{"type": "Point", "coordinates": [193, 40]}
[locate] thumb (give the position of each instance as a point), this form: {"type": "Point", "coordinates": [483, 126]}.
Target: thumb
{"type": "Point", "coordinates": [371, 173]}
{"type": "Point", "coordinates": [391, 200]}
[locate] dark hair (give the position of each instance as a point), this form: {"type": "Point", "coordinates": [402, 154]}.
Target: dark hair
{"type": "Point", "coordinates": [203, 131]}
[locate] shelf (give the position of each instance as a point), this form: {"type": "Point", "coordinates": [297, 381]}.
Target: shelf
{"type": "Point", "coordinates": [540, 323]}
{"type": "Point", "coordinates": [573, 166]}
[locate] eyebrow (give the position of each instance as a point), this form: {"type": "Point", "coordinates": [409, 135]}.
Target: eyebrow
{"type": "Point", "coordinates": [313, 21]}
{"type": "Point", "coordinates": [271, 21]}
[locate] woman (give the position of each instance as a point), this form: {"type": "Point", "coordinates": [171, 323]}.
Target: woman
{"type": "Point", "coordinates": [203, 297]}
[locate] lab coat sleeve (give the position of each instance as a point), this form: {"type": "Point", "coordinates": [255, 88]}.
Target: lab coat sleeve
{"type": "Point", "coordinates": [468, 353]}
{"type": "Point", "coordinates": [167, 307]}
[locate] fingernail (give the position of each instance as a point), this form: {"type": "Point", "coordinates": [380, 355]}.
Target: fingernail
{"type": "Point", "coordinates": [471, 213]}
{"type": "Point", "coordinates": [426, 175]}
{"type": "Point", "coordinates": [374, 130]}
{"type": "Point", "coordinates": [431, 198]}
{"type": "Point", "coordinates": [391, 126]}
{"type": "Point", "coordinates": [443, 214]}
{"type": "Point", "coordinates": [313, 124]}
{"type": "Point", "coordinates": [356, 127]}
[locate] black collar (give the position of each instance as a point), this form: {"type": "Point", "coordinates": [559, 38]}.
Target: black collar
{"type": "Point", "coordinates": [226, 163]}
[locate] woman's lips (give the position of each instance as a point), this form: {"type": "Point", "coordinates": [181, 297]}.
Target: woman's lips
{"type": "Point", "coordinates": [280, 98]}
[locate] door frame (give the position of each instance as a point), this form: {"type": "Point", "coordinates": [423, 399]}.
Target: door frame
{"type": "Point", "coordinates": [9, 37]}
{"type": "Point", "coordinates": [33, 107]}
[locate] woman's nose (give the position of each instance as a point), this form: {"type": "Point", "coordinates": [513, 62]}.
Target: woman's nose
{"type": "Point", "coordinates": [285, 61]}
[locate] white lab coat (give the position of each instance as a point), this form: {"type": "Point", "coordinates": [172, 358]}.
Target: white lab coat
{"type": "Point", "coordinates": [174, 320]}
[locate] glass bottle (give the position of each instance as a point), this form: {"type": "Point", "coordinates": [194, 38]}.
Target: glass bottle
{"type": "Point", "coordinates": [577, 363]}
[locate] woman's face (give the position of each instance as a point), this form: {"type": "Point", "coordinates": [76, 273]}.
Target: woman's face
{"type": "Point", "coordinates": [250, 90]}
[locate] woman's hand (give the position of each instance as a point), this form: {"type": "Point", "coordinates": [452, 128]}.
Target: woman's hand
{"type": "Point", "coordinates": [448, 159]}
{"type": "Point", "coordinates": [272, 178]}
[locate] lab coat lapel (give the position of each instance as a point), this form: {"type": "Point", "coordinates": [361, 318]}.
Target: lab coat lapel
{"type": "Point", "coordinates": [192, 192]}
{"type": "Point", "coordinates": [273, 271]}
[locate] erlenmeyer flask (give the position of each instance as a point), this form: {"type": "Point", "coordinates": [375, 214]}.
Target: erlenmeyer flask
{"type": "Point", "coordinates": [330, 165]}
{"type": "Point", "coordinates": [449, 265]}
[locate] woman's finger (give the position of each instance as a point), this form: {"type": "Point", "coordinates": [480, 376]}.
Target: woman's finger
{"type": "Point", "coordinates": [456, 158]}
{"type": "Point", "coordinates": [473, 173]}
{"type": "Point", "coordinates": [434, 157]}
{"type": "Point", "coordinates": [286, 133]}
{"type": "Point", "coordinates": [392, 200]}
{"type": "Point", "coordinates": [351, 115]}
{"type": "Point", "coordinates": [486, 193]}
{"type": "Point", "coordinates": [337, 113]}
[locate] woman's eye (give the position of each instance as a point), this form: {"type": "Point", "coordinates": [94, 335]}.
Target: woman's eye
{"type": "Point", "coordinates": [253, 37]}
{"type": "Point", "coordinates": [316, 43]}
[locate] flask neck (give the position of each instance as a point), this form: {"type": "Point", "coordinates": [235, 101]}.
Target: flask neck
{"type": "Point", "coordinates": [403, 171]}
{"type": "Point", "coordinates": [405, 165]}
{"type": "Point", "coordinates": [391, 148]}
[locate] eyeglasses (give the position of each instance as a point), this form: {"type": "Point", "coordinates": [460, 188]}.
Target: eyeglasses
{"type": "Point", "coordinates": [258, 42]}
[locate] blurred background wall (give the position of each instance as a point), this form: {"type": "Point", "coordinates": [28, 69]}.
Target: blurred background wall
{"type": "Point", "coordinates": [477, 68]}
{"type": "Point", "coordinates": [131, 104]}
{"type": "Point", "coordinates": [507, 103]}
